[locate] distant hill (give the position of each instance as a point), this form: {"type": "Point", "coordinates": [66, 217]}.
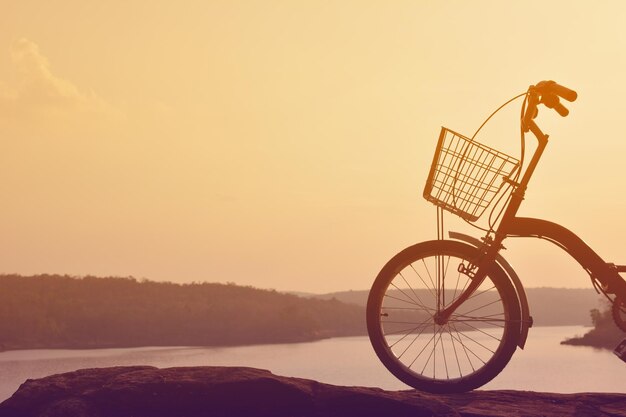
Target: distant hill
{"type": "Point", "coordinates": [548, 306]}
{"type": "Point", "coordinates": [51, 311]}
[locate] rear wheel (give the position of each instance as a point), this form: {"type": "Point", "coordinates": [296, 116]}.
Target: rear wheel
{"type": "Point", "coordinates": [460, 354]}
{"type": "Point", "coordinates": [619, 313]}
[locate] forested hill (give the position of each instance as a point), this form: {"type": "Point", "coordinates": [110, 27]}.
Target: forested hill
{"type": "Point", "coordinates": [51, 311]}
{"type": "Point", "coordinates": [548, 306]}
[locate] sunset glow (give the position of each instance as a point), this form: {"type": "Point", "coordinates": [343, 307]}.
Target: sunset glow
{"type": "Point", "coordinates": [286, 144]}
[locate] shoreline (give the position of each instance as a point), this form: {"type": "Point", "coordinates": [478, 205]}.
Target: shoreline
{"type": "Point", "coordinates": [40, 346]}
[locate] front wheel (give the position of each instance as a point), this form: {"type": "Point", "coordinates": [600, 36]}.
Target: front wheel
{"type": "Point", "coordinates": [460, 354]}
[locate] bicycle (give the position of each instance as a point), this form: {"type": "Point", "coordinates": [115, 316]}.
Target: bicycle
{"type": "Point", "coordinates": [446, 315]}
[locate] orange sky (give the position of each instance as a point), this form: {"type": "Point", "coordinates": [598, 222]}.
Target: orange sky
{"type": "Point", "coordinates": [285, 144]}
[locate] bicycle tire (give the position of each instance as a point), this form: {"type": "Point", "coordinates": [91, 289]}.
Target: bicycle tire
{"type": "Point", "coordinates": [386, 297]}
{"type": "Point", "coordinates": [618, 309]}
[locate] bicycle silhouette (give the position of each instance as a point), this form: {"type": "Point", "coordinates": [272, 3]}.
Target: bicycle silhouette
{"type": "Point", "coordinates": [446, 315]}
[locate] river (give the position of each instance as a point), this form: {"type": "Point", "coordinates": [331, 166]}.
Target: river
{"type": "Point", "coordinates": [544, 364]}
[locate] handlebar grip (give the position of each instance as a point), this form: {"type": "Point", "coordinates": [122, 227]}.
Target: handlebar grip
{"type": "Point", "coordinates": [551, 100]}
{"type": "Point", "coordinates": [564, 92]}
{"type": "Point", "coordinates": [561, 109]}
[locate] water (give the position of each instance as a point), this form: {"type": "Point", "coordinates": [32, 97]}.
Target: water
{"type": "Point", "coordinates": [544, 365]}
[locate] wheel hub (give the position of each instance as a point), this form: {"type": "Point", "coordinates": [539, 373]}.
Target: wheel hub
{"type": "Point", "coordinates": [440, 319]}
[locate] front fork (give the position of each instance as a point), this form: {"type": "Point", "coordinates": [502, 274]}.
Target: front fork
{"type": "Point", "coordinates": [477, 272]}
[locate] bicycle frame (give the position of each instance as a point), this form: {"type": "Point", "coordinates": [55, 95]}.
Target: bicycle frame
{"type": "Point", "coordinates": [606, 273]}
{"type": "Point", "coordinates": [512, 226]}
{"type": "Point", "coordinates": [463, 180]}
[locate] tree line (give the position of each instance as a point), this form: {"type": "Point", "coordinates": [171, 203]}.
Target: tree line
{"type": "Point", "coordinates": [604, 333]}
{"type": "Point", "coordinates": [53, 311]}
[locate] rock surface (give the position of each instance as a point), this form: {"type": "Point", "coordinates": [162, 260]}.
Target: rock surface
{"type": "Point", "coordinates": [144, 391]}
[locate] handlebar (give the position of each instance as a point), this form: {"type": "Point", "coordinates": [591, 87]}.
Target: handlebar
{"type": "Point", "coordinates": [547, 93]}
{"type": "Point", "coordinates": [561, 91]}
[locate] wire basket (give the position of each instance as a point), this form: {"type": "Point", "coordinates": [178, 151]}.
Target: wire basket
{"type": "Point", "coordinates": [466, 175]}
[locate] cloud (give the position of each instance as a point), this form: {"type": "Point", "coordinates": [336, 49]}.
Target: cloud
{"type": "Point", "coordinates": [37, 83]}
{"type": "Point", "coordinates": [37, 93]}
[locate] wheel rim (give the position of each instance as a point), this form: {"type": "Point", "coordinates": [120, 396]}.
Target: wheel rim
{"type": "Point", "coordinates": [451, 352]}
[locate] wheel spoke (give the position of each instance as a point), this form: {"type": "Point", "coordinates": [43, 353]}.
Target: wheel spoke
{"type": "Point", "coordinates": [481, 317]}
{"type": "Point", "coordinates": [422, 279]}
{"type": "Point", "coordinates": [477, 342]}
{"type": "Point", "coordinates": [424, 348]}
{"type": "Point", "coordinates": [483, 306]}
{"type": "Point", "coordinates": [407, 296]}
{"type": "Point", "coordinates": [467, 281]}
{"type": "Point", "coordinates": [466, 348]}
{"type": "Point", "coordinates": [409, 302]}
{"type": "Point", "coordinates": [434, 355]}
{"type": "Point", "coordinates": [456, 286]}
{"type": "Point", "coordinates": [400, 322]}
{"type": "Point", "coordinates": [429, 276]}
{"type": "Point", "coordinates": [435, 333]}
{"type": "Point", "coordinates": [461, 318]}
{"type": "Point", "coordinates": [489, 322]}
{"type": "Point", "coordinates": [443, 284]}
{"type": "Point", "coordinates": [443, 353]}
{"type": "Point", "coordinates": [458, 364]}
{"type": "Point", "coordinates": [479, 293]}
{"type": "Point", "coordinates": [413, 341]}
{"type": "Point", "coordinates": [483, 332]}
{"type": "Point", "coordinates": [412, 290]}
{"type": "Point", "coordinates": [402, 338]}
{"type": "Point", "coordinates": [395, 332]}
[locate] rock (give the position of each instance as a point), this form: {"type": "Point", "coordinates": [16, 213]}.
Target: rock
{"type": "Point", "coordinates": [143, 391]}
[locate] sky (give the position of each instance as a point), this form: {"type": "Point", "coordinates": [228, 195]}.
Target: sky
{"type": "Point", "coordinates": [285, 144]}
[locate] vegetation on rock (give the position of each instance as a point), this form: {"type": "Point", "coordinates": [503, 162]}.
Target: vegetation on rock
{"type": "Point", "coordinates": [604, 334]}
